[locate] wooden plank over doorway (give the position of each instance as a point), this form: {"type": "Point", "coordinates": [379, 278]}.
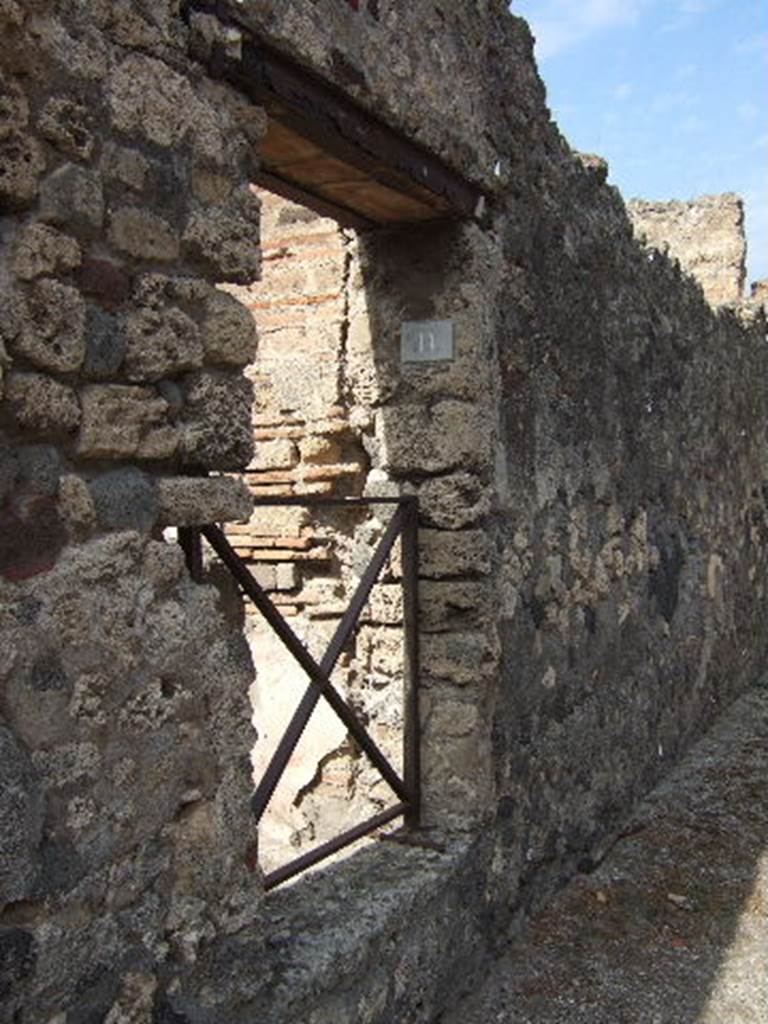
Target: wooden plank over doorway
{"type": "Point", "coordinates": [326, 152]}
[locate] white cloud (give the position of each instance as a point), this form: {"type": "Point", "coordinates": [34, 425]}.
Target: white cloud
{"type": "Point", "coordinates": [560, 24]}
{"type": "Point", "coordinates": [623, 91]}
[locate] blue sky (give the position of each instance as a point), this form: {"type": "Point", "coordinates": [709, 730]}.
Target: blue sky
{"type": "Point", "coordinates": [673, 93]}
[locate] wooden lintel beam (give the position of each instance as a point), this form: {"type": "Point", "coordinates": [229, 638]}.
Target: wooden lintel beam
{"type": "Point", "coordinates": [289, 190]}
{"type": "Point", "coordinates": [323, 114]}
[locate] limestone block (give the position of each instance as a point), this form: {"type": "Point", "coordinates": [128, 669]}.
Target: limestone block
{"type": "Point", "coordinates": [217, 413]}
{"type": "Point", "coordinates": [52, 326]}
{"type": "Point", "coordinates": [419, 438]}
{"type": "Point", "coordinates": [444, 553]}
{"type": "Point", "coordinates": [454, 501]}
{"type": "Point", "coordinates": [277, 454]}
{"type": "Point", "coordinates": [458, 605]}
{"type": "Point", "coordinates": [452, 718]}
{"type": "Point", "coordinates": [42, 404]}
{"type": "Point", "coordinates": [461, 658]}
{"type": "Point", "coordinates": [320, 450]}
{"type": "Point", "coordinates": [42, 250]}
{"type": "Point", "coordinates": [277, 521]}
{"type": "Point", "coordinates": [161, 344]}
{"type": "Point", "coordinates": [121, 421]}
{"type": "Point", "coordinates": [143, 235]}
{"type": "Point", "coordinates": [72, 197]}
{"type": "Point", "coordinates": [21, 164]}
{"type": "Point", "coordinates": [67, 124]}
{"type": "Point", "coordinates": [225, 239]}
{"type": "Point", "coordinates": [195, 501]}
{"type": "Point", "coordinates": [286, 576]}
{"type": "Point", "coordinates": [229, 331]}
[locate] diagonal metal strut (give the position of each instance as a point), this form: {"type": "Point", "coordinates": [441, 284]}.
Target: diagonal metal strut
{"type": "Point", "coordinates": [319, 674]}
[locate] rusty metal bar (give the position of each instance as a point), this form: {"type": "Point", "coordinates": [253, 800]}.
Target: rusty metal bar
{"type": "Point", "coordinates": [191, 544]}
{"type": "Point", "coordinates": [320, 684]}
{"type": "Point", "coordinates": [412, 737]}
{"type": "Point", "coordinates": [313, 500]}
{"type": "Point", "coordinates": [301, 716]}
{"type": "Point", "coordinates": [300, 864]}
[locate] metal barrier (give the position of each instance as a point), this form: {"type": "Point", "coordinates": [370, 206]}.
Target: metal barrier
{"type": "Point", "coordinates": [404, 523]}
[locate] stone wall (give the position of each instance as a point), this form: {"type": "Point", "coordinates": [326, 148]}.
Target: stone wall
{"type": "Point", "coordinates": [706, 235]}
{"type": "Point", "coordinates": [124, 726]}
{"type": "Point", "coordinates": [590, 468]}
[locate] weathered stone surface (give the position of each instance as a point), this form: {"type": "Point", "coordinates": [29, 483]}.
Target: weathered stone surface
{"type": "Point", "coordinates": [120, 421]}
{"type": "Point", "coordinates": [225, 239]}
{"type": "Point", "coordinates": [228, 331]}
{"type": "Point", "coordinates": [277, 454]}
{"type": "Point", "coordinates": [454, 501]}
{"type": "Point", "coordinates": [106, 344]}
{"type": "Point", "coordinates": [125, 499]}
{"type": "Point", "coordinates": [31, 535]}
{"type": "Point", "coordinates": [68, 125]}
{"type": "Point", "coordinates": [107, 281]}
{"type": "Point", "coordinates": [216, 432]}
{"type": "Point", "coordinates": [41, 404]}
{"type": "Point", "coordinates": [151, 101]}
{"type": "Point", "coordinates": [160, 344]}
{"type": "Point", "coordinates": [21, 164]}
{"type": "Point", "coordinates": [14, 107]}
{"type": "Point", "coordinates": [22, 808]}
{"type": "Point", "coordinates": [51, 326]}
{"type": "Point", "coordinates": [39, 468]}
{"type": "Point", "coordinates": [42, 250]}
{"type": "Point", "coordinates": [445, 553]}
{"type": "Point", "coordinates": [72, 197]}
{"type": "Point", "coordinates": [195, 501]}
{"type": "Point", "coordinates": [433, 439]}
{"type": "Point", "coordinates": [142, 234]}
{"type": "Point", "coordinates": [76, 505]}
{"type": "Point", "coordinates": [128, 166]}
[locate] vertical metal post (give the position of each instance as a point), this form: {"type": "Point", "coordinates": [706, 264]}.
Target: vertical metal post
{"type": "Point", "coordinates": [412, 731]}
{"type": "Point", "coordinates": [191, 541]}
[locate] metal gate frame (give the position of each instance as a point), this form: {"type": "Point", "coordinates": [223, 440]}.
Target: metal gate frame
{"type": "Point", "coordinates": [404, 523]}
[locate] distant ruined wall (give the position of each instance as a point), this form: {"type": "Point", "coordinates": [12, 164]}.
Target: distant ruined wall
{"type": "Point", "coordinates": [590, 467]}
{"type": "Point", "coordinates": [705, 234]}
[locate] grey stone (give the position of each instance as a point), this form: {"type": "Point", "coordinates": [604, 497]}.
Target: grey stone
{"type": "Point", "coordinates": [228, 331]}
{"type": "Point", "coordinates": [68, 125]}
{"type": "Point", "coordinates": [22, 808]}
{"type": "Point", "coordinates": [51, 326]}
{"type": "Point", "coordinates": [43, 405]}
{"type": "Point", "coordinates": [125, 499]}
{"type": "Point", "coordinates": [42, 250]}
{"type": "Point", "coordinates": [72, 197]}
{"type": "Point", "coordinates": [161, 344]}
{"type": "Point", "coordinates": [106, 344]}
{"type": "Point", "coordinates": [216, 432]}
{"type": "Point", "coordinates": [195, 501]}
{"type": "Point", "coordinates": [39, 468]}
{"type": "Point", "coordinates": [21, 164]}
